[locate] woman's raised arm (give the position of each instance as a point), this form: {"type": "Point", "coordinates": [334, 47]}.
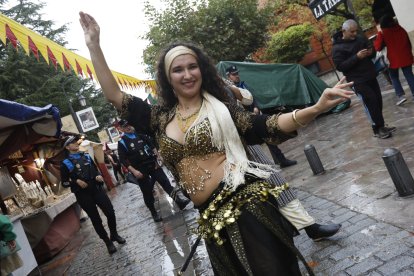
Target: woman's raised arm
{"type": "Point", "coordinates": [107, 81]}
{"type": "Point", "coordinates": [330, 98]}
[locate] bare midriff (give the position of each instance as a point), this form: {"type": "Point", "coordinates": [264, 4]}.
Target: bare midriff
{"type": "Point", "coordinates": [201, 174]}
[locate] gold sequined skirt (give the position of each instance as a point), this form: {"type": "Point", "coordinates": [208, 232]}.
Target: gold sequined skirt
{"type": "Point", "coordinates": [245, 233]}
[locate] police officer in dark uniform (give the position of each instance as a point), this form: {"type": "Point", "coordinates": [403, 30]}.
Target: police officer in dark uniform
{"type": "Point", "coordinates": [79, 172]}
{"type": "Point", "coordinates": [138, 153]}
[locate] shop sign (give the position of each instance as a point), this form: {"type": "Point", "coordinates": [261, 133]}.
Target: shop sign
{"type": "Point", "coordinates": [320, 8]}
{"type": "Point", "coordinates": [87, 119]}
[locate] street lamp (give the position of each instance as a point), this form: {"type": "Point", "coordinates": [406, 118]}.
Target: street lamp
{"type": "Point", "coordinates": [82, 101]}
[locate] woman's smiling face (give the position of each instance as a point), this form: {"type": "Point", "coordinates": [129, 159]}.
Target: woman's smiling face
{"type": "Point", "coordinates": [185, 76]}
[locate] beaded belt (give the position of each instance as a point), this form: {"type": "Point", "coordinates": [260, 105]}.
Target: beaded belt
{"type": "Point", "coordinates": [225, 208]}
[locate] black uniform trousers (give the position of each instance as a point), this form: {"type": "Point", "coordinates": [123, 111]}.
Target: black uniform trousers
{"type": "Point", "coordinates": [370, 92]}
{"type": "Point", "coordinates": [91, 197]}
{"type": "Point", "coordinates": [147, 183]}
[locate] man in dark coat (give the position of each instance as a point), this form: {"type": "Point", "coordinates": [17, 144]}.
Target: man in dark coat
{"type": "Point", "coordinates": [352, 56]}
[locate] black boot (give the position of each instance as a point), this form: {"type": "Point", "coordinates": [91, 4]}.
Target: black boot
{"type": "Point", "coordinates": [286, 163]}
{"type": "Point", "coordinates": [156, 216]}
{"type": "Point", "coordinates": [118, 238]}
{"type": "Point", "coordinates": [319, 232]}
{"type": "Point", "coordinates": [179, 198]}
{"type": "Point", "coordinates": [110, 246]}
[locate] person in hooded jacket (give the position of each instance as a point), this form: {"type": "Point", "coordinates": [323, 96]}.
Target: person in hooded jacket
{"type": "Point", "coordinates": [395, 38]}
{"type": "Point", "coordinates": [352, 56]}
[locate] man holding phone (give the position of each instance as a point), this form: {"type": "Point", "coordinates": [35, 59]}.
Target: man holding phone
{"type": "Point", "coordinates": [352, 56]}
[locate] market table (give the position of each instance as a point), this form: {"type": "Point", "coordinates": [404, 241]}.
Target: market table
{"type": "Point", "coordinates": [49, 229]}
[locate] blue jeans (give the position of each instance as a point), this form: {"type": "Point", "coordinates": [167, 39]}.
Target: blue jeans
{"type": "Point", "coordinates": [408, 73]}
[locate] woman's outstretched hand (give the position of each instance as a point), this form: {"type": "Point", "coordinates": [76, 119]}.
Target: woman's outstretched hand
{"type": "Point", "coordinates": [331, 97]}
{"type": "Point", "coordinates": [90, 28]}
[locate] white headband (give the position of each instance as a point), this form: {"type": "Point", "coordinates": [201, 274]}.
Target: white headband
{"type": "Point", "coordinates": [172, 54]}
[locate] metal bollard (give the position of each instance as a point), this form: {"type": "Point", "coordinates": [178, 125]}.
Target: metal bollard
{"type": "Point", "coordinates": [399, 172]}
{"type": "Point", "coordinates": [313, 159]}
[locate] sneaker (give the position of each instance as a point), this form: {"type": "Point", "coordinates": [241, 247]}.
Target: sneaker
{"type": "Point", "coordinates": [401, 100]}
{"type": "Point", "coordinates": [382, 133]}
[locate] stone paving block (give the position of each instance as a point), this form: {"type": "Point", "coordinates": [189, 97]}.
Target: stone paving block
{"type": "Point", "coordinates": [340, 212]}
{"type": "Point", "coordinates": [344, 217]}
{"type": "Point", "coordinates": [373, 273]}
{"type": "Point", "coordinates": [326, 252]}
{"type": "Point", "coordinates": [409, 239]}
{"type": "Point", "coordinates": [320, 204]}
{"type": "Point", "coordinates": [339, 266]}
{"type": "Point", "coordinates": [360, 225]}
{"type": "Point", "coordinates": [320, 267]}
{"type": "Point", "coordinates": [357, 218]}
{"type": "Point", "coordinates": [326, 205]}
{"type": "Point", "coordinates": [344, 253]}
{"type": "Point", "coordinates": [392, 251]}
{"type": "Point", "coordinates": [406, 272]}
{"type": "Point", "coordinates": [364, 266]}
{"type": "Point", "coordinates": [396, 265]}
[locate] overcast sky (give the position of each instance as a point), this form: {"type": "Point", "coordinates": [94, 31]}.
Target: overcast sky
{"type": "Point", "coordinates": [122, 22]}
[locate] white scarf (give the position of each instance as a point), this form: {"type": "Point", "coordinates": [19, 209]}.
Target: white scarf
{"type": "Point", "coordinates": [225, 136]}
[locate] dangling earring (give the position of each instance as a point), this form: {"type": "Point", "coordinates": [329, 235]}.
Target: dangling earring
{"type": "Point", "coordinates": [175, 93]}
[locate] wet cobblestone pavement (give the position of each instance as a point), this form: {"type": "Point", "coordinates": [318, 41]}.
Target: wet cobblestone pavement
{"type": "Point", "coordinates": [356, 190]}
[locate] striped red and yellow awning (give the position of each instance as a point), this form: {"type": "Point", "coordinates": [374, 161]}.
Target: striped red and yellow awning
{"type": "Point", "coordinates": [53, 53]}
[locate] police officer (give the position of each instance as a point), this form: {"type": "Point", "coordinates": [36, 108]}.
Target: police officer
{"type": "Point", "coordinates": [79, 172]}
{"type": "Point", "coordinates": [138, 154]}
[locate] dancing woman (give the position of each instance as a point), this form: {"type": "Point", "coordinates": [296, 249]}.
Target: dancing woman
{"type": "Point", "coordinates": [200, 138]}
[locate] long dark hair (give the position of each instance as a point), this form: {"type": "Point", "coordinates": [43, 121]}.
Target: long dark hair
{"type": "Point", "coordinates": [211, 81]}
{"type": "Point", "coordinates": [387, 21]}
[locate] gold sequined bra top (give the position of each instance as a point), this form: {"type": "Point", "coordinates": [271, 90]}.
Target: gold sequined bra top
{"type": "Point", "coordinates": [197, 147]}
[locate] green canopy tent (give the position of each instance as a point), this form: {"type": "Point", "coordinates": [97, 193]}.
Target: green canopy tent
{"type": "Point", "coordinates": [276, 86]}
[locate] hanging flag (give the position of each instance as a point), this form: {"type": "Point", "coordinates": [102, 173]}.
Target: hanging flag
{"type": "Point", "coordinates": [31, 41]}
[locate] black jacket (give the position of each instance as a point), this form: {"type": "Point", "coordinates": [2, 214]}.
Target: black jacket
{"type": "Point", "coordinates": [79, 166]}
{"type": "Point", "coordinates": [137, 150]}
{"type": "Point", "coordinates": [344, 55]}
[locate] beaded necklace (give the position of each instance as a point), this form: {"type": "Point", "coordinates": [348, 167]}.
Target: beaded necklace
{"type": "Point", "coordinates": [185, 122]}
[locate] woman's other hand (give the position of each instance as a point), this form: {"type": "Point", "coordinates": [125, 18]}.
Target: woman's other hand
{"type": "Point", "coordinates": [331, 97]}
{"type": "Point", "coordinates": [90, 28]}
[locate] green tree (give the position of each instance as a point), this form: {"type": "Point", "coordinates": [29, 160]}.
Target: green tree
{"type": "Point", "coordinates": [227, 30]}
{"type": "Point", "coordinates": [29, 81]}
{"type": "Point", "coordinates": [280, 49]}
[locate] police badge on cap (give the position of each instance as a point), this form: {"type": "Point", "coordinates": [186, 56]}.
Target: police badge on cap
{"type": "Point", "coordinates": [70, 140]}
